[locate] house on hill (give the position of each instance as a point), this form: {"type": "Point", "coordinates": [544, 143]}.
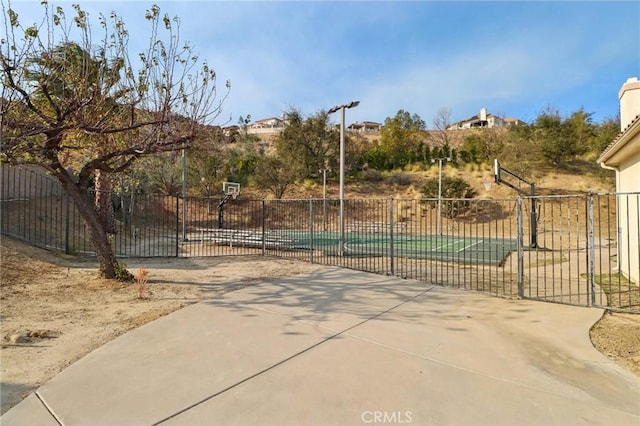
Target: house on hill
{"type": "Point", "coordinates": [623, 156]}
{"type": "Point", "coordinates": [365, 126]}
{"type": "Point", "coordinates": [484, 119]}
{"type": "Point", "coordinates": [268, 125]}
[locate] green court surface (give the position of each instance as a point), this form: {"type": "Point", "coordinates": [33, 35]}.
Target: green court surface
{"type": "Point", "coordinates": [435, 247]}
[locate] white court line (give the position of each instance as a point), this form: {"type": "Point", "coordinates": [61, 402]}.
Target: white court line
{"type": "Point", "coordinates": [464, 248]}
{"type": "Point", "coordinates": [456, 242]}
{"type": "Point", "coordinates": [447, 245]}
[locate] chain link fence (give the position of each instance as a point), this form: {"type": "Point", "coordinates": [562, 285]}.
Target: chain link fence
{"type": "Point", "coordinates": [576, 249]}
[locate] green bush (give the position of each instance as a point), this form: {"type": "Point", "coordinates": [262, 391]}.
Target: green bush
{"type": "Point", "coordinates": [452, 188]}
{"type": "Point", "coordinates": [122, 273]}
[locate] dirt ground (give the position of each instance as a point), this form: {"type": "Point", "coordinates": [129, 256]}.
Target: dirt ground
{"type": "Point", "coordinates": [54, 309]}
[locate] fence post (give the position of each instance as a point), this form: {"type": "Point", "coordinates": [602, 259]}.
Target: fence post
{"type": "Point", "coordinates": [311, 226]}
{"type": "Point", "coordinates": [391, 250]}
{"type": "Point", "coordinates": [519, 225]}
{"type": "Point", "coordinates": [177, 226]}
{"type": "Point", "coordinates": [264, 226]}
{"type": "Point", "coordinates": [67, 219]}
{"type": "Point", "coordinates": [591, 246]}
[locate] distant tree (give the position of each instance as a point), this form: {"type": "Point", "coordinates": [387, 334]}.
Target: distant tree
{"type": "Point", "coordinates": [580, 130]}
{"type": "Point", "coordinates": [605, 133]}
{"type": "Point", "coordinates": [441, 122]}
{"type": "Point", "coordinates": [548, 134]}
{"type": "Point", "coordinates": [312, 142]}
{"type": "Point", "coordinates": [356, 149]}
{"type": "Point", "coordinates": [375, 158]}
{"type": "Point", "coordinates": [521, 152]}
{"type": "Point", "coordinates": [400, 139]}
{"type": "Point", "coordinates": [470, 152]}
{"type": "Point", "coordinates": [563, 139]}
{"type": "Point", "coordinates": [164, 173]}
{"type": "Point", "coordinates": [80, 109]}
{"type": "Point", "coordinates": [276, 175]}
{"type": "Point", "coordinates": [482, 145]}
{"type": "Point", "coordinates": [206, 171]}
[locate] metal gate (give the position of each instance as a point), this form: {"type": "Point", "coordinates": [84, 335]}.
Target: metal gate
{"type": "Point", "coordinates": [578, 249]}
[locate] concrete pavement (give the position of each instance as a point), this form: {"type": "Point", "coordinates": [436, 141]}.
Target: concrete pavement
{"type": "Point", "coordinates": [345, 347]}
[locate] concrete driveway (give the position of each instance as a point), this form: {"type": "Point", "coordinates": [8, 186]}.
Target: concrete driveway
{"type": "Point", "coordinates": [342, 347]}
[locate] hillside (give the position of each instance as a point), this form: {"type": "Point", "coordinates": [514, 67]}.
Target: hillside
{"type": "Point", "coordinates": [579, 177]}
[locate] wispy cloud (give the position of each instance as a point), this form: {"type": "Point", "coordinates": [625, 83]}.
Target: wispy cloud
{"type": "Point", "coordinates": [511, 57]}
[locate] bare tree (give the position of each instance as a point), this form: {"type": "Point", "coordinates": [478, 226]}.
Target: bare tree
{"type": "Point", "coordinates": [441, 122]}
{"type": "Point", "coordinates": [75, 102]}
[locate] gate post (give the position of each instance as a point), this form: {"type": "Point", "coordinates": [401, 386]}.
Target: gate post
{"type": "Point", "coordinates": [264, 226]}
{"type": "Point", "coordinates": [67, 249]}
{"type": "Point", "coordinates": [591, 252]}
{"type": "Point", "coordinates": [177, 225]}
{"type": "Point", "coordinates": [391, 250]}
{"type": "Point", "coordinates": [519, 225]}
{"type": "Point", "coordinates": [311, 226]}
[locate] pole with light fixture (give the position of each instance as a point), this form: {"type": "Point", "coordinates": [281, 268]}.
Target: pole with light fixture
{"type": "Point", "coordinates": [341, 108]}
{"type": "Point", "coordinates": [439, 218]}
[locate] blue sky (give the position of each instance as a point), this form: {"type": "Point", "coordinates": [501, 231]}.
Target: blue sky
{"type": "Point", "coordinates": [514, 58]}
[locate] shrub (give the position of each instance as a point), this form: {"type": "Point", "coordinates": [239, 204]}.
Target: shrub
{"type": "Point", "coordinates": [372, 175]}
{"type": "Point", "coordinates": [399, 179]}
{"type": "Point", "coordinates": [122, 274]}
{"type": "Point", "coordinates": [309, 184]}
{"type": "Point", "coordinates": [452, 187]}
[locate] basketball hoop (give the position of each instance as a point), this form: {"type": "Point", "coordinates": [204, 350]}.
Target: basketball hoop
{"type": "Point", "coordinates": [231, 189]}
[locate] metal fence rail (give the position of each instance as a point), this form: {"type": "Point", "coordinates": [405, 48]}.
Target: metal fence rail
{"type": "Point", "coordinates": [36, 209]}
{"type": "Point", "coordinates": [580, 249]}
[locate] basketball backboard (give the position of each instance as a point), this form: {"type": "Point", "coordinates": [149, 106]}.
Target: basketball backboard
{"type": "Point", "coordinates": [231, 188]}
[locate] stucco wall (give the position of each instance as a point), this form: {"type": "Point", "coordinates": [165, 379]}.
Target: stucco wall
{"type": "Point", "coordinates": [629, 214]}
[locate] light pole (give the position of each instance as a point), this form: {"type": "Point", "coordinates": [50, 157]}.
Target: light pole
{"type": "Point", "coordinates": [324, 198]}
{"type": "Point", "coordinates": [341, 108]}
{"type": "Point", "coordinates": [439, 218]}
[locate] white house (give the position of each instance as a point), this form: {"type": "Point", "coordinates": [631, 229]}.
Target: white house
{"type": "Point", "coordinates": [365, 126]}
{"type": "Point", "coordinates": [484, 119]}
{"type": "Point", "coordinates": [268, 125]}
{"type": "Point", "coordinates": [623, 156]}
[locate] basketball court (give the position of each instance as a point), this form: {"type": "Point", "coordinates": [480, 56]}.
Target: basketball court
{"type": "Point", "coordinates": [486, 250]}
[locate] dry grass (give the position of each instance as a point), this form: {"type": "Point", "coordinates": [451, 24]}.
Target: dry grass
{"type": "Point", "coordinates": [619, 290]}
{"type": "Point", "coordinates": [141, 278]}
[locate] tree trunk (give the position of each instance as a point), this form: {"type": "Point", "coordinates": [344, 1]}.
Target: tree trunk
{"type": "Point", "coordinates": [103, 201]}
{"type": "Point", "coordinates": [99, 238]}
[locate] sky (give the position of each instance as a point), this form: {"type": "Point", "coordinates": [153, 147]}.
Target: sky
{"type": "Point", "coordinates": [514, 58]}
